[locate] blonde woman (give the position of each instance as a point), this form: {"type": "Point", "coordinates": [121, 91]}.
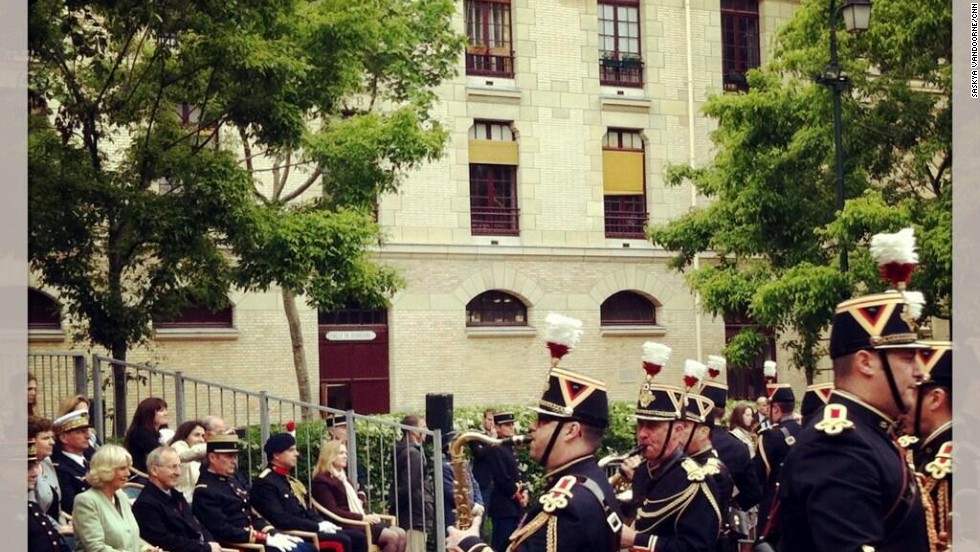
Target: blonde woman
{"type": "Point", "coordinates": [335, 493]}
{"type": "Point", "coordinates": [102, 515]}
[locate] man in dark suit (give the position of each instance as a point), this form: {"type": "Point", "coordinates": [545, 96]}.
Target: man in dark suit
{"type": "Point", "coordinates": [71, 454]}
{"type": "Point", "coordinates": [846, 484]}
{"type": "Point", "coordinates": [164, 516]}
{"type": "Point", "coordinates": [222, 506]}
{"type": "Point", "coordinates": [281, 499]}
{"type": "Point", "coordinates": [411, 497]}
{"type": "Point", "coordinates": [774, 446]}
{"type": "Point", "coordinates": [509, 495]}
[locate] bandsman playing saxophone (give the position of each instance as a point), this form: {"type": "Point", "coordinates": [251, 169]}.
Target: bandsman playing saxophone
{"type": "Point", "coordinates": [578, 512]}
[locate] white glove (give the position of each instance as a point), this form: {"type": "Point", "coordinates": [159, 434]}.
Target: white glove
{"type": "Point", "coordinates": [280, 541]}
{"type": "Point", "coordinates": [327, 527]}
{"type": "Point", "coordinates": [293, 538]}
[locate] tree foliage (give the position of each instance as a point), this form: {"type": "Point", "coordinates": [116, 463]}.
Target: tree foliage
{"type": "Point", "coordinates": [773, 223]}
{"type": "Point", "coordinates": [179, 149]}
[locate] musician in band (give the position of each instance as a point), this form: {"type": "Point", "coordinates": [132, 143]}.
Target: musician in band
{"type": "Point", "coordinates": [579, 511]}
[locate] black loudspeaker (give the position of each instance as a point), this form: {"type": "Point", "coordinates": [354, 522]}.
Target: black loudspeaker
{"type": "Point", "coordinates": [439, 411]}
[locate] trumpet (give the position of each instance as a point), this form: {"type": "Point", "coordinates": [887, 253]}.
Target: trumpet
{"type": "Point", "coordinates": [462, 491]}
{"type": "Point", "coordinates": [619, 480]}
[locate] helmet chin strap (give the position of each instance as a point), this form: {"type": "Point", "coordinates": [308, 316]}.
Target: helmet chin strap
{"type": "Point", "coordinates": [551, 443]}
{"type": "Point", "coordinates": [690, 437]}
{"type": "Point", "coordinates": [896, 396]}
{"type": "Point", "coordinates": [663, 447]}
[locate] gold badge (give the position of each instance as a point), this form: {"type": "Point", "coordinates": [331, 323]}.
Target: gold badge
{"type": "Point", "coordinates": [834, 420]}
{"type": "Point", "coordinates": [646, 397]}
{"type": "Point", "coordinates": [557, 497]}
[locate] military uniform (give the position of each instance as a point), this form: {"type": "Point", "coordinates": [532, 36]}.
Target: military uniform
{"type": "Point", "coordinates": [579, 512]}
{"type": "Point", "coordinates": [934, 466]}
{"type": "Point", "coordinates": [774, 446]}
{"type": "Point", "coordinates": [42, 535]}
{"type": "Point", "coordinates": [71, 478]}
{"type": "Point", "coordinates": [846, 486]}
{"type": "Point", "coordinates": [274, 498]}
{"type": "Point", "coordinates": [679, 510]}
{"type": "Point", "coordinates": [222, 505]}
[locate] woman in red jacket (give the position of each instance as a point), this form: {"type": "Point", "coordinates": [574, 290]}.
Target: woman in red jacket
{"type": "Point", "coordinates": [333, 491]}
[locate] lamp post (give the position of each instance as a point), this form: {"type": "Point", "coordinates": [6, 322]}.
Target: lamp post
{"type": "Point", "coordinates": [857, 16]}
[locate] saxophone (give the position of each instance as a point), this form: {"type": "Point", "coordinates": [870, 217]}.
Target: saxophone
{"type": "Point", "coordinates": [462, 491]}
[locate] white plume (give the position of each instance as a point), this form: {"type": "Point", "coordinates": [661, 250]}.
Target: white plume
{"type": "Point", "coordinates": [894, 248]}
{"type": "Point", "coordinates": [695, 369]}
{"type": "Point", "coordinates": [914, 301]}
{"type": "Point", "coordinates": [717, 362]}
{"type": "Point", "coordinates": [562, 330]}
{"type": "Point", "coordinates": [655, 353]}
{"type": "Point", "coordinates": [769, 368]}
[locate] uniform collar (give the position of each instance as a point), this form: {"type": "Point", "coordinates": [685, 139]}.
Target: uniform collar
{"type": "Point", "coordinates": [940, 431]}
{"type": "Point", "coordinates": [858, 408]}
{"type": "Point", "coordinates": [280, 470]}
{"type": "Point", "coordinates": [567, 465]}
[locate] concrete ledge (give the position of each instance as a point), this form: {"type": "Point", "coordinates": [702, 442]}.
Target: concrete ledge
{"type": "Point", "coordinates": [510, 96]}
{"type": "Point", "coordinates": [45, 336]}
{"type": "Point", "coordinates": [501, 331]}
{"type": "Point", "coordinates": [197, 334]}
{"type": "Point", "coordinates": [633, 331]}
{"type": "Point", "coordinates": [625, 103]}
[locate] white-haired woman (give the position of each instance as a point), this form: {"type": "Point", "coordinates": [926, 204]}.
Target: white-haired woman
{"type": "Point", "coordinates": [102, 515]}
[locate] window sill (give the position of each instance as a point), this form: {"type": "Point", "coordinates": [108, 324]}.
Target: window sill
{"type": "Point", "coordinates": [503, 95]}
{"type": "Point", "coordinates": [651, 331]}
{"type": "Point", "coordinates": [625, 103]}
{"type": "Point", "coordinates": [45, 336]}
{"type": "Point", "coordinates": [197, 334]}
{"type": "Point", "coordinates": [501, 331]}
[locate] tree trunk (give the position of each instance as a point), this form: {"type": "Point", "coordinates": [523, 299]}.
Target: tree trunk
{"type": "Point", "coordinates": [299, 350]}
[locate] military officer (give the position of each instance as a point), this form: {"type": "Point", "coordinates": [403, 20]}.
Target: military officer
{"type": "Point", "coordinates": [845, 485]}
{"type": "Point", "coordinates": [281, 499]}
{"type": "Point", "coordinates": [677, 508]}
{"type": "Point", "coordinates": [698, 412]}
{"type": "Point", "coordinates": [71, 454]}
{"type": "Point", "coordinates": [222, 505]}
{"type": "Point", "coordinates": [774, 446]}
{"type": "Point", "coordinates": [579, 512]}
{"type": "Point", "coordinates": [931, 423]}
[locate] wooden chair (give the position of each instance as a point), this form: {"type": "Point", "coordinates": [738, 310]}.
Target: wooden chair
{"type": "Point", "coordinates": [365, 526]}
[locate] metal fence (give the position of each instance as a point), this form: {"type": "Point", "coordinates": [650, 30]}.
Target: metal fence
{"type": "Point", "coordinates": [116, 387]}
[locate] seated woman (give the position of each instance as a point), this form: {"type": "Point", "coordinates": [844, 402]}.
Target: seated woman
{"type": "Point", "coordinates": [143, 434]}
{"type": "Point", "coordinates": [102, 517]}
{"type": "Point", "coordinates": [333, 491]}
{"type": "Point", "coordinates": [191, 447]}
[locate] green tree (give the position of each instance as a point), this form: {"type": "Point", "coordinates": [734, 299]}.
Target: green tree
{"type": "Point", "coordinates": [773, 223]}
{"type": "Point", "coordinates": [163, 137]}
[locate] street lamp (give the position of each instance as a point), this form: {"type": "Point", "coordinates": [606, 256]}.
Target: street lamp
{"type": "Point", "coordinates": [857, 16]}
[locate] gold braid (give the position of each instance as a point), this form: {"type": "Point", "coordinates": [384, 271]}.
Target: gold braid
{"type": "Point", "coordinates": [944, 510]}
{"type": "Point", "coordinates": [925, 489]}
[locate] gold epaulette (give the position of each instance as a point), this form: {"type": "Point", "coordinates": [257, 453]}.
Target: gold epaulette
{"type": "Point", "coordinates": [695, 472]}
{"type": "Point", "coordinates": [834, 420]}
{"type": "Point", "coordinates": [265, 472]}
{"type": "Point", "coordinates": [557, 497]}
{"type": "Point", "coordinates": [905, 441]}
{"type": "Point", "coordinates": [712, 466]}
{"type": "Point", "coordinates": [942, 464]}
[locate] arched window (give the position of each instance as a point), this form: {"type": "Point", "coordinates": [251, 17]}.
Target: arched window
{"type": "Point", "coordinates": [198, 317]}
{"type": "Point", "coordinates": [496, 308]}
{"type": "Point", "coordinates": [43, 312]}
{"type": "Point", "coordinates": [628, 308]}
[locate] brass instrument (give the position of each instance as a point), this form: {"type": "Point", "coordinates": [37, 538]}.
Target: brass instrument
{"type": "Point", "coordinates": [462, 491]}
{"type": "Point", "coordinates": [618, 480]}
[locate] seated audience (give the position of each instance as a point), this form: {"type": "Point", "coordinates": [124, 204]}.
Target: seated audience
{"type": "Point", "coordinates": [189, 444]}
{"type": "Point", "coordinates": [42, 535]}
{"type": "Point", "coordinates": [71, 456]}
{"type": "Point", "coordinates": [46, 491]}
{"type": "Point", "coordinates": [72, 403]}
{"type": "Point", "coordinates": [332, 490]}
{"type": "Point", "coordinates": [221, 503]}
{"type": "Point", "coordinates": [164, 517]}
{"type": "Point", "coordinates": [103, 517]}
{"type": "Point", "coordinates": [274, 497]}
{"type": "Point", "coordinates": [143, 434]}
